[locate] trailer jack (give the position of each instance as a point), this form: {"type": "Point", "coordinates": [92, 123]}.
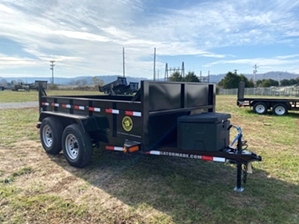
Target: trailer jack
{"type": "Point", "coordinates": [243, 159]}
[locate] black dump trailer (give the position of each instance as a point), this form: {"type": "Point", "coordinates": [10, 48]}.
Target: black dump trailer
{"type": "Point", "coordinates": [163, 118]}
{"type": "Point", "coordinates": [120, 86]}
{"type": "Point", "coordinates": [279, 106]}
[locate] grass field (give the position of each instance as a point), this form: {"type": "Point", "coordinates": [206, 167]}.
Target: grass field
{"type": "Point", "coordinates": [26, 96]}
{"type": "Point", "coordinates": [118, 188]}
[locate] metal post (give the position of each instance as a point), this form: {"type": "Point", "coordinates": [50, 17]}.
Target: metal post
{"type": "Point", "coordinates": [52, 68]}
{"type": "Point", "coordinates": [124, 63]}
{"type": "Point", "coordinates": [154, 64]}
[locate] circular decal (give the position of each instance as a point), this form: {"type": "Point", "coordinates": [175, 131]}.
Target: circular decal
{"type": "Point", "coordinates": [127, 123]}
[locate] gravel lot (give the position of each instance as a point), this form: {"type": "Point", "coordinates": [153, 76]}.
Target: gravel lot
{"type": "Point", "coordinates": [18, 105]}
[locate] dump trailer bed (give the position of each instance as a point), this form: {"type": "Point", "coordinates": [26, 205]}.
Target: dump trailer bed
{"type": "Point", "coordinates": [162, 118]}
{"type": "Point", "coordinates": [279, 106]}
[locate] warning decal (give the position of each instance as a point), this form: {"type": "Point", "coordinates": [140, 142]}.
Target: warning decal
{"type": "Point", "coordinates": [127, 123]}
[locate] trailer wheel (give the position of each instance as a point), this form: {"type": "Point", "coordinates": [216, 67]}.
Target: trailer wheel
{"type": "Point", "coordinates": [280, 109]}
{"type": "Point", "coordinates": [77, 147]}
{"type": "Point", "coordinates": [50, 135]}
{"type": "Point", "coordinates": [260, 108]}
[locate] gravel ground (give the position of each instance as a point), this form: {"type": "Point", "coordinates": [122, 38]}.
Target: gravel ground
{"type": "Point", "coordinates": [18, 105]}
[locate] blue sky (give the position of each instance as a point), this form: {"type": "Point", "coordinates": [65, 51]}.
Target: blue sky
{"type": "Point", "coordinates": [87, 37]}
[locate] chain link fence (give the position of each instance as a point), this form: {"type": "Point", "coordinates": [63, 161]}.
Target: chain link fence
{"type": "Point", "coordinates": [268, 91]}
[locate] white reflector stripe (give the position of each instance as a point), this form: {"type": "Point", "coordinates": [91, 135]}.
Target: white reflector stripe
{"type": "Point", "coordinates": [45, 104]}
{"type": "Point", "coordinates": [55, 104]}
{"type": "Point", "coordinates": [219, 159]}
{"type": "Point", "coordinates": [114, 148]}
{"type": "Point", "coordinates": [133, 113]}
{"type": "Point", "coordinates": [95, 109]}
{"type": "Point", "coordinates": [112, 111]}
{"type": "Point", "coordinates": [153, 152]}
{"type": "Point", "coordinates": [66, 106]}
{"type": "Point", "coordinates": [79, 107]}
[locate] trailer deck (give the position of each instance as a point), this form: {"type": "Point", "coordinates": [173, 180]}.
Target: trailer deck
{"type": "Point", "coordinates": [279, 106]}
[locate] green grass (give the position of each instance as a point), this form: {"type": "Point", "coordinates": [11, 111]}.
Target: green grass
{"type": "Point", "coordinates": [17, 125]}
{"type": "Point", "coordinates": [119, 188]}
{"type": "Point", "coordinates": [8, 96]}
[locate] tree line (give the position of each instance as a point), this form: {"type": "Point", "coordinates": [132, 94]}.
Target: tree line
{"type": "Point", "coordinates": [232, 79]}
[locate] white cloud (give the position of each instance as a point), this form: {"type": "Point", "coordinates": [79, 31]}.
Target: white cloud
{"type": "Point", "coordinates": [278, 63]}
{"type": "Point", "coordinates": [88, 36]}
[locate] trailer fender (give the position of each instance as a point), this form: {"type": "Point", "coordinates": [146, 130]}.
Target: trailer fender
{"type": "Point", "coordinates": [88, 124]}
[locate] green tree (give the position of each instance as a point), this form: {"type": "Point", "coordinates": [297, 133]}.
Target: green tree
{"type": "Point", "coordinates": [248, 83]}
{"type": "Point", "coordinates": [175, 77]}
{"type": "Point", "coordinates": [230, 81]}
{"type": "Point", "coordinates": [97, 82]}
{"type": "Point", "coordinates": [268, 83]}
{"type": "Point", "coordinates": [191, 77]}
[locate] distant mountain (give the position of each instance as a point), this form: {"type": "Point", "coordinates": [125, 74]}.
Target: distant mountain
{"type": "Point", "coordinates": [70, 81]}
{"type": "Point", "coordinates": [274, 75]}
{"type": "Point", "coordinates": [106, 78]}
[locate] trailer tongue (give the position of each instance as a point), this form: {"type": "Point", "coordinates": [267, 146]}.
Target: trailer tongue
{"type": "Point", "coordinates": [162, 118]}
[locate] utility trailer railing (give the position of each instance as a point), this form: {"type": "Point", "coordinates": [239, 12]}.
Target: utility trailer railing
{"type": "Point", "coordinates": [162, 118]}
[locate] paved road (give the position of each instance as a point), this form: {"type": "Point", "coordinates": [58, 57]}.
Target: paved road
{"type": "Point", "coordinates": [18, 105]}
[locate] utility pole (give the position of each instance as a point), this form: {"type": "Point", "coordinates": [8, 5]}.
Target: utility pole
{"type": "Point", "coordinates": [166, 72]}
{"type": "Point", "coordinates": [254, 73]}
{"type": "Point", "coordinates": [154, 64]}
{"type": "Point", "coordinates": [52, 68]}
{"type": "Point", "coordinates": [124, 73]}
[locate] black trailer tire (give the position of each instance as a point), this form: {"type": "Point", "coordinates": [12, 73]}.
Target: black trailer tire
{"type": "Point", "coordinates": [76, 145]}
{"type": "Point", "coordinates": [50, 135]}
{"type": "Point", "coordinates": [260, 108]}
{"type": "Point", "coordinates": [280, 109]}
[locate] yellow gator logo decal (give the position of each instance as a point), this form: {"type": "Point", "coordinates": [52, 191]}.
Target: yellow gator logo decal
{"type": "Point", "coordinates": [127, 123]}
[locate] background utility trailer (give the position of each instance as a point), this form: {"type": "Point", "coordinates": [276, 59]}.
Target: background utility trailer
{"type": "Point", "coordinates": [162, 118]}
{"type": "Point", "coordinates": [279, 106]}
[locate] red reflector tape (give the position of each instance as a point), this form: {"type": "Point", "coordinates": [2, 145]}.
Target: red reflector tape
{"type": "Point", "coordinates": [133, 113]}
{"type": "Point", "coordinates": [45, 104]}
{"type": "Point", "coordinates": [207, 158]}
{"type": "Point", "coordinates": [66, 105]}
{"type": "Point", "coordinates": [79, 107]}
{"type": "Point", "coordinates": [112, 111]}
{"type": "Point", "coordinates": [55, 104]}
{"type": "Point", "coordinates": [96, 109]}
{"type": "Point", "coordinates": [114, 148]}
